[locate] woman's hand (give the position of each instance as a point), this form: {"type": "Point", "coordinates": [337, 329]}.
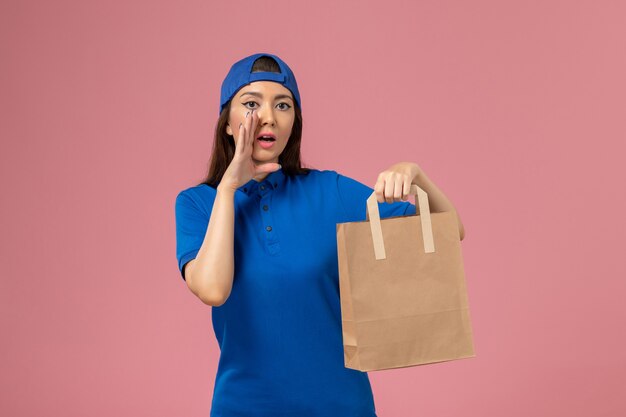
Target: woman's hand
{"type": "Point", "coordinates": [242, 168]}
{"type": "Point", "coordinates": [395, 182]}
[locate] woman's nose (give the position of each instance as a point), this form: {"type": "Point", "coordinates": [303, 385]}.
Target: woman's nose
{"type": "Point", "coordinates": [266, 115]}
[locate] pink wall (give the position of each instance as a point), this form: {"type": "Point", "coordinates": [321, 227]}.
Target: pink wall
{"type": "Point", "coordinates": [515, 109]}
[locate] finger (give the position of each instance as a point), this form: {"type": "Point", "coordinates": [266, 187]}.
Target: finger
{"type": "Point", "coordinates": [268, 167]}
{"type": "Point", "coordinates": [397, 190]}
{"type": "Point", "coordinates": [244, 135]}
{"type": "Point", "coordinates": [240, 147]}
{"type": "Point", "coordinates": [389, 186]}
{"type": "Point", "coordinates": [254, 118]}
{"type": "Point", "coordinates": [406, 189]}
{"type": "Point", "coordinates": [379, 188]}
{"type": "Point", "coordinates": [249, 126]}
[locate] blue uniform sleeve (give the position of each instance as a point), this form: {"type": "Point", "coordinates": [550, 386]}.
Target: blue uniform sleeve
{"type": "Point", "coordinates": [353, 195]}
{"type": "Point", "coordinates": [191, 225]}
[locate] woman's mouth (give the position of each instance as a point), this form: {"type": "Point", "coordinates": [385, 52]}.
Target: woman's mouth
{"type": "Point", "coordinates": [266, 142]}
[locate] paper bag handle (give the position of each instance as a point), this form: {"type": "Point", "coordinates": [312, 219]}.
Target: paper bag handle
{"type": "Point", "coordinates": [373, 216]}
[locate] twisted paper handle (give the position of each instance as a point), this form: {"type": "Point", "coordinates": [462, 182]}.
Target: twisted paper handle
{"type": "Point", "coordinates": [373, 216]}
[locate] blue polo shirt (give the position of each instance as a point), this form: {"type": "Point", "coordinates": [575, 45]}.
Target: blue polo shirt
{"type": "Point", "coordinates": [279, 331]}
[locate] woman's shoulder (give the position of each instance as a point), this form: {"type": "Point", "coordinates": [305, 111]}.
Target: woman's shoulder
{"type": "Point", "coordinates": [316, 173]}
{"type": "Point", "coordinates": [317, 178]}
{"type": "Point", "coordinates": [331, 177]}
{"type": "Point", "coordinates": [198, 191]}
{"type": "Point", "coordinates": [200, 196]}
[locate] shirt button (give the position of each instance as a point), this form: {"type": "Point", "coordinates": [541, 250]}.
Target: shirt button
{"type": "Point", "coordinates": [263, 187]}
{"type": "Point", "coordinates": [265, 207]}
{"type": "Point", "coordinates": [268, 228]}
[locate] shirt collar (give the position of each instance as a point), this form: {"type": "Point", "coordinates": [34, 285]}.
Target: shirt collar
{"type": "Point", "coordinates": [272, 180]}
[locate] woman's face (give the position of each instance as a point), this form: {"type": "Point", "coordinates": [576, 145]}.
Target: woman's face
{"type": "Point", "coordinates": [274, 105]}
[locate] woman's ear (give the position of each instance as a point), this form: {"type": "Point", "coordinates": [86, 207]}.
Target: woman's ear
{"type": "Point", "coordinates": [229, 130]}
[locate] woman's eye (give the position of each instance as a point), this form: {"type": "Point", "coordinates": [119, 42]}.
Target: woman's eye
{"type": "Point", "coordinates": [286, 106]}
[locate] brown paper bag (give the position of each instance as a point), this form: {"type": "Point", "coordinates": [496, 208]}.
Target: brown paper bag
{"type": "Point", "coordinates": [402, 289]}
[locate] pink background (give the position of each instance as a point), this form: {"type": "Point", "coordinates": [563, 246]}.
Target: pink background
{"type": "Point", "coordinates": [514, 109]}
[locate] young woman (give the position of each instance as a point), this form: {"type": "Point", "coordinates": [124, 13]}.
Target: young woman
{"type": "Point", "coordinates": [257, 242]}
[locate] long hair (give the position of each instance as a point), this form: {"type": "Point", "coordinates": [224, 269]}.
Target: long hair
{"type": "Point", "coordinates": [224, 144]}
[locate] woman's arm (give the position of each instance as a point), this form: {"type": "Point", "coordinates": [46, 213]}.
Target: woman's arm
{"type": "Point", "coordinates": [210, 275]}
{"type": "Point", "coordinates": [393, 185]}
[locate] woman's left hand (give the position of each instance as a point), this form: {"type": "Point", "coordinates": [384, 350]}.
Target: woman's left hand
{"type": "Point", "coordinates": [394, 183]}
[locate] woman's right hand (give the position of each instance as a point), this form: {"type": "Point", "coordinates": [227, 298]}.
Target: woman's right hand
{"type": "Point", "coordinates": [242, 167]}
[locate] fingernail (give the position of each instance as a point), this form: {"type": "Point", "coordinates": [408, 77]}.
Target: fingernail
{"type": "Point", "coordinates": [247, 114]}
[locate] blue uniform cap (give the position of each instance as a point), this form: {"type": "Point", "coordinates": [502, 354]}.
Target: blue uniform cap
{"type": "Point", "coordinates": [240, 75]}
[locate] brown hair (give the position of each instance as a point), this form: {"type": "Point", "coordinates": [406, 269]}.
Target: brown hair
{"type": "Point", "coordinates": [224, 144]}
